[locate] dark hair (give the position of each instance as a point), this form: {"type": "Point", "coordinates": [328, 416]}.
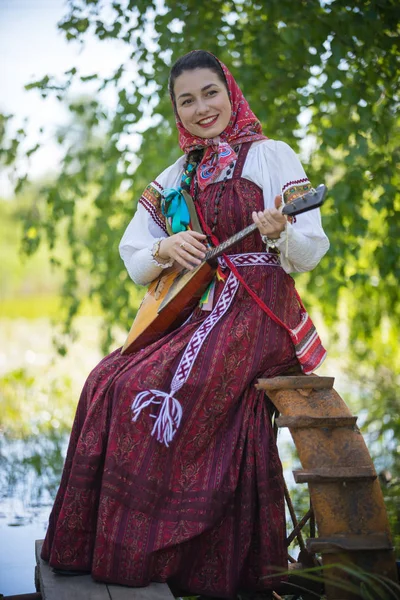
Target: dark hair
{"type": "Point", "coordinates": [197, 59]}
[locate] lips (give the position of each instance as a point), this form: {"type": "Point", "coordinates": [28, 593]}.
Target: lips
{"type": "Point", "coordinates": [208, 122]}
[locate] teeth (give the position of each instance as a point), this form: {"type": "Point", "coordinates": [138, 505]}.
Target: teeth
{"type": "Point", "coordinates": [206, 121]}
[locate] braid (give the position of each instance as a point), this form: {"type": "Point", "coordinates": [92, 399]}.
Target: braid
{"type": "Point", "coordinates": [193, 159]}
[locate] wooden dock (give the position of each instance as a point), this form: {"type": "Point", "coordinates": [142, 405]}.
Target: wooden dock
{"type": "Point", "coordinates": [83, 587]}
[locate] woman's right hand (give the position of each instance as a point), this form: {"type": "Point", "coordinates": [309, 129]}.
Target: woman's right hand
{"type": "Point", "coordinates": [185, 247]}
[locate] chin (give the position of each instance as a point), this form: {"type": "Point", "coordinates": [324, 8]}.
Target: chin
{"type": "Point", "coordinates": [209, 133]}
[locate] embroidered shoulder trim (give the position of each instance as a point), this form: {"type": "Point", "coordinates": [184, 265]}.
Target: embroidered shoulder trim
{"type": "Point", "coordinates": [294, 189]}
{"type": "Point", "coordinates": [151, 201]}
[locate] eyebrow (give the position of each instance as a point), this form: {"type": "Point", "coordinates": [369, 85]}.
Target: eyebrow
{"type": "Point", "coordinates": [203, 89]}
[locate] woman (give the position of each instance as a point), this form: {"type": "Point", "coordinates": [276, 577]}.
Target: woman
{"type": "Point", "coordinates": [173, 474]}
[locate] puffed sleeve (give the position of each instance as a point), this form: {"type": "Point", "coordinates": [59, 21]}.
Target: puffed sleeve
{"type": "Point", "coordinates": [148, 226]}
{"type": "Point", "coordinates": [275, 167]}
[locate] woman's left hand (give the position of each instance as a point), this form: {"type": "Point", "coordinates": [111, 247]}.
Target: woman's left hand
{"type": "Point", "coordinates": [271, 222]}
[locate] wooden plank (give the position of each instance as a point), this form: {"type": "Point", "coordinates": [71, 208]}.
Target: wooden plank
{"type": "Point", "coordinates": [333, 474]}
{"type": "Point", "coordinates": [83, 587]}
{"type": "Point", "coordinates": [154, 591]}
{"type": "Point", "coordinates": [304, 382]}
{"type": "Point", "coordinates": [306, 421]}
{"type": "Point", "coordinates": [350, 543]}
{"type": "Point", "coordinates": [64, 587]}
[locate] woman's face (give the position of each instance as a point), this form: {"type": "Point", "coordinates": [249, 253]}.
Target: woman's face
{"type": "Point", "coordinates": [202, 102]}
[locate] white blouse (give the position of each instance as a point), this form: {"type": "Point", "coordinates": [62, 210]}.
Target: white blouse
{"type": "Point", "coordinates": [270, 164]}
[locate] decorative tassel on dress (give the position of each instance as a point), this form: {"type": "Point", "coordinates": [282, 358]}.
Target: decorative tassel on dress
{"type": "Point", "coordinates": [169, 417]}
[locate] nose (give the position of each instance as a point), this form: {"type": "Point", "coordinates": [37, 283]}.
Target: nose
{"type": "Point", "coordinates": [201, 107]}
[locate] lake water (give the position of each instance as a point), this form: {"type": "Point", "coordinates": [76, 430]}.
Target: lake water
{"type": "Point", "coordinates": [39, 392]}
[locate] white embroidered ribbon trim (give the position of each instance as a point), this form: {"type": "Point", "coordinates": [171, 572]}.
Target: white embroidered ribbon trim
{"type": "Point", "coordinates": [170, 414]}
{"type": "Point", "coordinates": [252, 259]}
{"type": "Point", "coordinates": [198, 338]}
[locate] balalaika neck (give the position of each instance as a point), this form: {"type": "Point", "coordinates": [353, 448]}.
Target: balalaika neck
{"type": "Point", "coordinates": [216, 252]}
{"type": "Point", "coordinates": [304, 203]}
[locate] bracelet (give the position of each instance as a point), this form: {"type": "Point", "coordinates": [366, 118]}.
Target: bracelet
{"type": "Point", "coordinates": [270, 242]}
{"type": "Point", "coordinates": [155, 253]}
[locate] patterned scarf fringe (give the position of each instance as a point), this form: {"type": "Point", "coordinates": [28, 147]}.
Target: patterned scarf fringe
{"type": "Point", "coordinates": [307, 343]}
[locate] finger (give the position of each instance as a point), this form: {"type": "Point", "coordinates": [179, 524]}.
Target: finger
{"type": "Point", "coordinates": [196, 245]}
{"type": "Point", "coordinates": [184, 264]}
{"type": "Point", "coordinates": [278, 201]}
{"type": "Point", "coordinates": [196, 234]}
{"type": "Point", "coordinates": [179, 255]}
{"type": "Point", "coordinates": [276, 216]}
{"type": "Point", "coordinates": [187, 261]}
{"type": "Point", "coordinates": [259, 217]}
{"type": "Point", "coordinates": [191, 245]}
{"type": "Point", "coordinates": [194, 240]}
{"type": "Point", "coordinates": [197, 239]}
{"type": "Point", "coordinates": [257, 220]}
{"type": "Point", "coordinates": [189, 253]}
{"type": "Point", "coordinates": [265, 218]}
{"type": "Point", "coordinates": [193, 250]}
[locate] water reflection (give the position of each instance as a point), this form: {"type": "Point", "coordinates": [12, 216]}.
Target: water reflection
{"type": "Point", "coordinates": [38, 395]}
{"type": "Point", "coordinates": [30, 468]}
{"type": "Point", "coordinates": [30, 471]}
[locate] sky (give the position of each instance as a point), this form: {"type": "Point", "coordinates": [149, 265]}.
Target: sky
{"type": "Point", "coordinates": [31, 47]}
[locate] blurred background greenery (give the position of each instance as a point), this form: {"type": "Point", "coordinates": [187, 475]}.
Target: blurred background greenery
{"type": "Point", "coordinates": [322, 76]}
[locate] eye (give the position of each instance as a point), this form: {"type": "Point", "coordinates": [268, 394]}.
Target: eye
{"type": "Point", "coordinates": [212, 93]}
{"type": "Point", "coordinates": [187, 101]}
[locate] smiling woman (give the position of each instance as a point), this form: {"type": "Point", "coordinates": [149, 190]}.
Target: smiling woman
{"type": "Point", "coordinates": [172, 472]}
{"type": "Point", "coordinates": [202, 102]}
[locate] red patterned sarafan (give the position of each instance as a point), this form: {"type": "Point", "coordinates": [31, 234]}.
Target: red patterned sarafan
{"type": "Point", "coordinates": [206, 513]}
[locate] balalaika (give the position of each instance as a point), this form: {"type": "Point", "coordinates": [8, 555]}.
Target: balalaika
{"type": "Point", "coordinates": [172, 297]}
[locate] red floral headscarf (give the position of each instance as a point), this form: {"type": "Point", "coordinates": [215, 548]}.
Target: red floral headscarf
{"type": "Point", "coordinates": [242, 127]}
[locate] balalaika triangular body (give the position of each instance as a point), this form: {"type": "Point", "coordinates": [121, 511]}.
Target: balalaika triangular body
{"type": "Point", "coordinates": [172, 297]}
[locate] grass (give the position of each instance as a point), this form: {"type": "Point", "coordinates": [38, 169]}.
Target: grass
{"type": "Point", "coordinates": [34, 307]}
